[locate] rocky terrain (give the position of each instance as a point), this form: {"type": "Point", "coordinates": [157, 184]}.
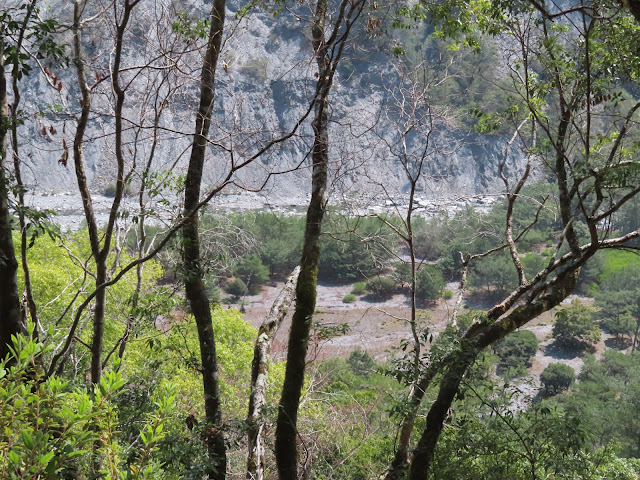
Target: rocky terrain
{"type": "Point", "coordinates": [265, 84]}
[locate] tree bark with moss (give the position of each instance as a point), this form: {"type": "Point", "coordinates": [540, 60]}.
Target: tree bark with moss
{"type": "Point", "coordinates": [11, 321]}
{"type": "Point", "coordinates": [212, 434]}
{"type": "Point", "coordinates": [328, 44]}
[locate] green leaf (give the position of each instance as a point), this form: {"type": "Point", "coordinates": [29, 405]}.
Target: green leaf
{"type": "Point", "coordinates": [14, 458]}
{"type": "Point", "coordinates": [45, 459]}
{"type": "Point", "coordinates": [27, 439]}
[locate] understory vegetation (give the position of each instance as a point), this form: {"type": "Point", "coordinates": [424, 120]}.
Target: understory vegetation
{"type": "Point", "coordinates": [151, 395]}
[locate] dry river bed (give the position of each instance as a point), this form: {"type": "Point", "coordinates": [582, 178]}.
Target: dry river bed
{"type": "Point", "coordinates": [379, 327]}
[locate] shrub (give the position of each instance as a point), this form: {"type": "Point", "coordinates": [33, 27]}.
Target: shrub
{"type": "Point", "coordinates": [402, 272]}
{"type": "Point", "coordinates": [252, 272]}
{"type": "Point", "coordinates": [349, 298]}
{"type": "Point", "coordinates": [237, 288]}
{"type": "Point", "coordinates": [344, 254]}
{"type": "Point", "coordinates": [557, 377]}
{"type": "Point", "coordinates": [360, 362]}
{"type": "Point", "coordinates": [359, 288]}
{"type": "Point", "coordinates": [495, 271]}
{"type": "Point", "coordinates": [429, 284]}
{"type": "Point", "coordinates": [515, 352]}
{"type": "Point", "coordinates": [447, 294]}
{"type": "Point", "coordinates": [110, 190]}
{"type": "Point", "coordinates": [381, 287]}
{"type": "Point", "coordinates": [575, 328]}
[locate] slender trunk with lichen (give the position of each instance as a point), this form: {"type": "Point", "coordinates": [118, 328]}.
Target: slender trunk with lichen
{"type": "Point", "coordinates": [11, 322]}
{"type": "Point", "coordinates": [286, 427]}
{"type": "Point", "coordinates": [328, 51]}
{"type": "Point", "coordinates": [259, 375]}
{"type": "Point", "coordinates": [212, 434]}
{"type": "Point", "coordinates": [28, 288]}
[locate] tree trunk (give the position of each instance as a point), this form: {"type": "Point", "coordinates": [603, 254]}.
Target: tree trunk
{"type": "Point", "coordinates": [400, 462]}
{"type": "Point", "coordinates": [260, 373]}
{"type": "Point", "coordinates": [286, 427]}
{"type": "Point", "coordinates": [28, 289]}
{"type": "Point", "coordinates": [212, 434]}
{"type": "Point", "coordinates": [327, 54]}
{"type": "Point", "coordinates": [10, 319]}
{"type": "Point", "coordinates": [473, 342]}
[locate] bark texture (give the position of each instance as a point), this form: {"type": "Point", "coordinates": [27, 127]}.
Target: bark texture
{"type": "Point", "coordinates": [28, 289]}
{"type": "Point", "coordinates": [212, 434]}
{"type": "Point", "coordinates": [10, 319]}
{"type": "Point", "coordinates": [286, 430]}
{"type": "Point", "coordinates": [260, 373]}
{"type": "Point", "coordinates": [328, 50]}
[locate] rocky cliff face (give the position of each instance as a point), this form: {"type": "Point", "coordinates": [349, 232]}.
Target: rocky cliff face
{"type": "Point", "coordinates": [265, 84]}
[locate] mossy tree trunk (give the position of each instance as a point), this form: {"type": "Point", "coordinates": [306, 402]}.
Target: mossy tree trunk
{"type": "Point", "coordinates": [212, 434]}
{"type": "Point", "coordinates": [328, 44]}
{"type": "Point", "coordinates": [11, 321]}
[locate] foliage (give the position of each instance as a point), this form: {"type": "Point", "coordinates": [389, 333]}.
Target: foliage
{"type": "Point", "coordinates": [557, 377]}
{"type": "Point", "coordinates": [53, 429]}
{"type": "Point", "coordinates": [357, 442]}
{"type": "Point", "coordinates": [619, 302]}
{"type": "Point", "coordinates": [278, 239]}
{"type": "Point", "coordinates": [172, 359]}
{"type": "Point", "coordinates": [381, 288]}
{"type": "Point", "coordinates": [60, 284]}
{"type": "Point", "coordinates": [495, 271]}
{"type": "Point", "coordinates": [515, 352]}
{"type": "Point", "coordinates": [353, 248]}
{"type": "Point", "coordinates": [349, 298]}
{"type": "Point", "coordinates": [359, 288]}
{"type": "Point", "coordinates": [252, 272]}
{"type": "Point", "coordinates": [237, 288]}
{"type": "Point", "coordinates": [429, 283]}
{"type": "Point", "coordinates": [361, 363]}
{"type": "Point", "coordinates": [615, 260]}
{"type": "Point", "coordinates": [575, 328]}
{"type": "Point", "coordinates": [606, 397]}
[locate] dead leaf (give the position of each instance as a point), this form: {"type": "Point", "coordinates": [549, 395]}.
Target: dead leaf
{"type": "Point", "coordinates": [65, 154]}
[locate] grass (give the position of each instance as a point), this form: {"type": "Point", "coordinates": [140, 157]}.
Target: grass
{"type": "Point", "coordinates": [615, 260]}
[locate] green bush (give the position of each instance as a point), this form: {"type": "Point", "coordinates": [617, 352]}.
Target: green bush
{"type": "Point", "coordinates": [381, 287]}
{"type": "Point", "coordinates": [360, 363]}
{"type": "Point", "coordinates": [51, 427]}
{"type": "Point", "coordinates": [495, 271]}
{"type": "Point", "coordinates": [349, 298]}
{"type": "Point", "coordinates": [515, 352]}
{"type": "Point", "coordinates": [576, 329]}
{"type": "Point", "coordinates": [252, 272]}
{"type": "Point", "coordinates": [237, 288]}
{"type": "Point", "coordinates": [447, 294]}
{"type": "Point", "coordinates": [345, 255]}
{"type": "Point", "coordinates": [557, 377]}
{"type": "Point", "coordinates": [429, 284]}
{"type": "Point", "coordinates": [359, 288]}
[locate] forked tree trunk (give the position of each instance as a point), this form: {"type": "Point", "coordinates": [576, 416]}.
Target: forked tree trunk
{"type": "Point", "coordinates": [260, 373]}
{"type": "Point", "coordinates": [10, 319]}
{"type": "Point", "coordinates": [212, 434]}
